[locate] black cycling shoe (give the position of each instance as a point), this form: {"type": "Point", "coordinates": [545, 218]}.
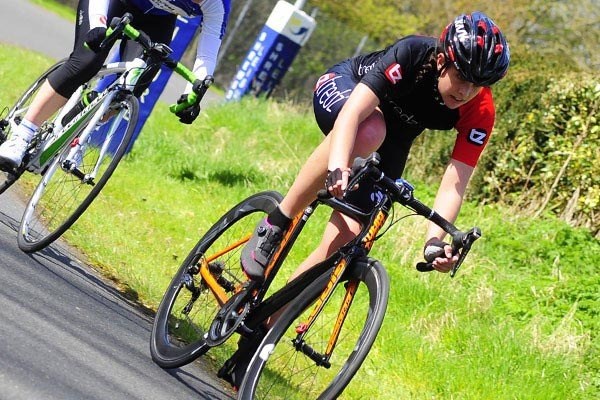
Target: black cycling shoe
{"type": "Point", "coordinates": [260, 248]}
{"type": "Point", "coordinates": [234, 369]}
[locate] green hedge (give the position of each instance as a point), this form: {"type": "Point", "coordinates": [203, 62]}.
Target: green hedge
{"type": "Point", "coordinates": [548, 161]}
{"type": "Point", "coordinates": [543, 154]}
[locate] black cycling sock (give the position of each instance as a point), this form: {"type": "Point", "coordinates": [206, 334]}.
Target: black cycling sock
{"type": "Point", "coordinates": [279, 219]}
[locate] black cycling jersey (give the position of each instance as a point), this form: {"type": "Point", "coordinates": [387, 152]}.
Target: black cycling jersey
{"type": "Point", "coordinates": [409, 100]}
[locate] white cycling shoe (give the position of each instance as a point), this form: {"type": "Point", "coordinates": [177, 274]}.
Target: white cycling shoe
{"type": "Point", "coordinates": [13, 150]}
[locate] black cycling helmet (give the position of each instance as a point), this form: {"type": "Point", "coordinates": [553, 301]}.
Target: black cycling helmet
{"type": "Point", "coordinates": [477, 48]}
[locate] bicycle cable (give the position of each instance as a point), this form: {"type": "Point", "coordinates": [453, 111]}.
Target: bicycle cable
{"type": "Point", "coordinates": [394, 222]}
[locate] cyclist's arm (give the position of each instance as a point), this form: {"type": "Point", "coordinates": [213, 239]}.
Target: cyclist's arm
{"type": "Point", "coordinates": [97, 11]}
{"type": "Point", "coordinates": [450, 195]}
{"type": "Point", "coordinates": [214, 23]}
{"type": "Point", "coordinates": [474, 128]}
{"type": "Point", "coordinates": [359, 106]}
{"type": "Point", "coordinates": [447, 203]}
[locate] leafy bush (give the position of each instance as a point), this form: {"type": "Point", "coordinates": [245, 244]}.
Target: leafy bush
{"type": "Point", "coordinates": [541, 156]}
{"type": "Point", "coordinates": [545, 158]}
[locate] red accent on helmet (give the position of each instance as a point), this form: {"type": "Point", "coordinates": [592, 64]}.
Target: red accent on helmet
{"type": "Point", "coordinates": [451, 54]}
{"type": "Point", "coordinates": [477, 47]}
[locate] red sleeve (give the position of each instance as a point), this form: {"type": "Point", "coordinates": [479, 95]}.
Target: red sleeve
{"type": "Point", "coordinates": [474, 126]}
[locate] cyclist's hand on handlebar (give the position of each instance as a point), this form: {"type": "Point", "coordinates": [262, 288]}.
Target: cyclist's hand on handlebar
{"type": "Point", "coordinates": [337, 181]}
{"type": "Point", "coordinates": [188, 114]}
{"type": "Point", "coordinates": [94, 38]}
{"type": "Point", "coordinates": [439, 254]}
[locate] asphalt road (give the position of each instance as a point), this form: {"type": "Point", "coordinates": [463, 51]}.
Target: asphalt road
{"type": "Point", "coordinates": [65, 332]}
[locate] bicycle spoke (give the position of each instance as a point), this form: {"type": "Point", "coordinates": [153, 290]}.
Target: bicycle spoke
{"type": "Point", "coordinates": [179, 338]}
{"type": "Point", "coordinates": [289, 371]}
{"type": "Point", "coordinates": [75, 177]}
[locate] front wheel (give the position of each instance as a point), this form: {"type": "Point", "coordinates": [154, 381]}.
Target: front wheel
{"type": "Point", "coordinates": [72, 181]}
{"type": "Point", "coordinates": [188, 307]}
{"type": "Point", "coordinates": [14, 118]}
{"type": "Point", "coordinates": [288, 365]}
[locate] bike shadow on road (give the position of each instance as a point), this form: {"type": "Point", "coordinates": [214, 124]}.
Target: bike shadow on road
{"type": "Point", "coordinates": [185, 376]}
{"type": "Point", "coordinates": [9, 222]}
{"type": "Point", "coordinates": [64, 263]}
{"type": "Point", "coordinates": [60, 266]}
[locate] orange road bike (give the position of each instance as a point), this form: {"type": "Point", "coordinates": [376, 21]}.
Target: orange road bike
{"type": "Point", "coordinates": [332, 312]}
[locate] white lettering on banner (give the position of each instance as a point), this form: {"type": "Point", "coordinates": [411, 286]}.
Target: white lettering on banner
{"type": "Point", "coordinates": [263, 67]}
{"type": "Point", "coordinates": [329, 94]}
{"type": "Point", "coordinates": [477, 136]}
{"type": "Point", "coordinates": [394, 73]}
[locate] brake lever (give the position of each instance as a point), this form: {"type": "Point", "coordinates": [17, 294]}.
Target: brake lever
{"type": "Point", "coordinates": [116, 27]}
{"type": "Point", "coordinates": [467, 241]}
{"type": "Point", "coordinates": [358, 170]}
{"type": "Point", "coordinates": [461, 245]}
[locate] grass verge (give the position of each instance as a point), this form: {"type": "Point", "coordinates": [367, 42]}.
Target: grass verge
{"type": "Point", "coordinates": [519, 322]}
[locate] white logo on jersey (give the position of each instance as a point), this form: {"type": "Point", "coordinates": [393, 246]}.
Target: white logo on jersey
{"type": "Point", "coordinates": [328, 92]}
{"type": "Point", "coordinates": [477, 136]}
{"type": "Point", "coordinates": [394, 73]}
{"type": "Point", "coordinates": [363, 69]}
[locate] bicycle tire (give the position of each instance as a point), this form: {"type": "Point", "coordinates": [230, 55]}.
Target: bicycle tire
{"type": "Point", "coordinates": [178, 339]}
{"type": "Point", "coordinates": [15, 114]}
{"type": "Point", "coordinates": [61, 197]}
{"type": "Point", "coordinates": [278, 370]}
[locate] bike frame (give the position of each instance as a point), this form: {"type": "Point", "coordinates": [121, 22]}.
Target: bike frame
{"type": "Point", "coordinates": [129, 73]}
{"type": "Point", "coordinates": [330, 272]}
{"type": "Point", "coordinates": [334, 267]}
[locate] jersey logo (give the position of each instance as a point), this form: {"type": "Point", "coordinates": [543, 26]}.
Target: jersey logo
{"type": "Point", "coordinates": [394, 73]}
{"type": "Point", "coordinates": [376, 196]}
{"type": "Point", "coordinates": [477, 136]}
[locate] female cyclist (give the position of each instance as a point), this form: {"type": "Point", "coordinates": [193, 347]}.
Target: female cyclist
{"type": "Point", "coordinates": [381, 102]}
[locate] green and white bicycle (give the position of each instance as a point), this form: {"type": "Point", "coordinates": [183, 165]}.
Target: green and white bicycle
{"type": "Point", "coordinates": [75, 155]}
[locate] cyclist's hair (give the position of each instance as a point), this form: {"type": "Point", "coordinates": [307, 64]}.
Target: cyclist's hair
{"type": "Point", "coordinates": [429, 66]}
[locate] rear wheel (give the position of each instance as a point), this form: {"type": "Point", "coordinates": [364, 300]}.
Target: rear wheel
{"type": "Point", "coordinates": [188, 307]}
{"type": "Point", "coordinates": [72, 181]}
{"type": "Point", "coordinates": [14, 118]}
{"type": "Point", "coordinates": [288, 365]}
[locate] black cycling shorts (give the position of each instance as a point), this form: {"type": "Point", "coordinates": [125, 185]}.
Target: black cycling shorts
{"type": "Point", "coordinates": [83, 63]}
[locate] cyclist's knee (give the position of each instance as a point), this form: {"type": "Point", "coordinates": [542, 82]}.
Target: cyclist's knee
{"type": "Point", "coordinates": [340, 230]}
{"type": "Point", "coordinates": [370, 135]}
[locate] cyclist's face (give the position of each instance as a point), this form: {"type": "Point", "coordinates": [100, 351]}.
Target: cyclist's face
{"type": "Point", "coordinates": [455, 91]}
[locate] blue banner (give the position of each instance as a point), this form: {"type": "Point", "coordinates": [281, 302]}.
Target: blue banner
{"type": "Point", "coordinates": [265, 64]}
{"type": "Point", "coordinates": [287, 29]}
